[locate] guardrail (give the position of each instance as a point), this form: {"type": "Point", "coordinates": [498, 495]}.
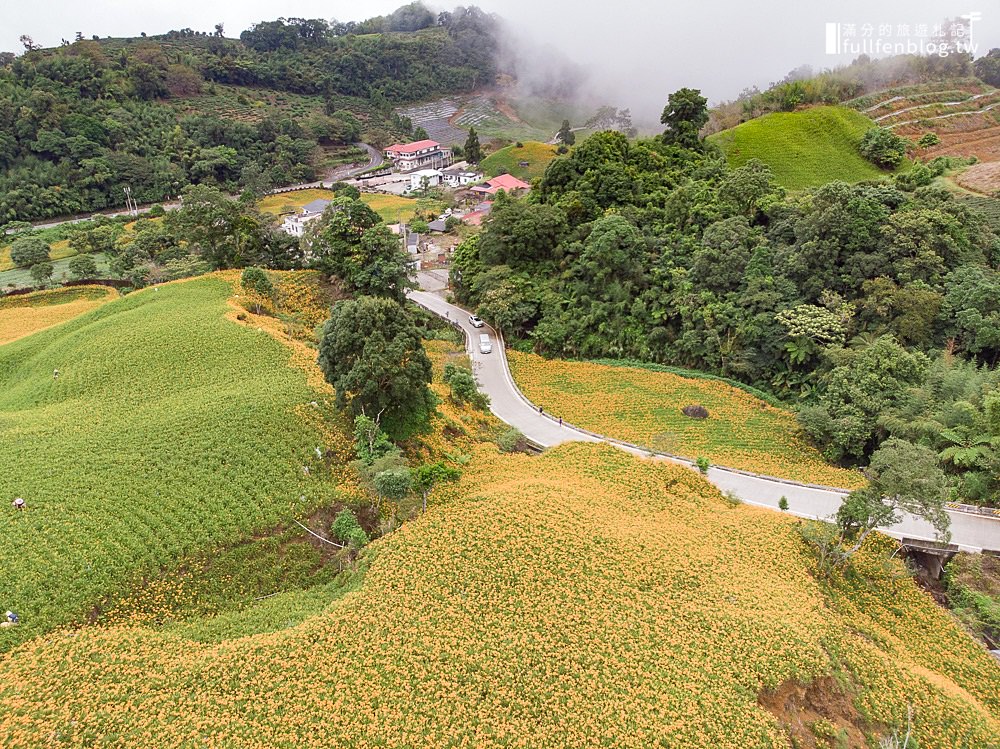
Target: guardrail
{"type": "Point", "coordinates": [951, 506]}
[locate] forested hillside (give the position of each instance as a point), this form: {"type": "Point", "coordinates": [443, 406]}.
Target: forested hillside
{"type": "Point", "coordinates": [80, 123]}
{"type": "Point", "coordinates": [873, 306]}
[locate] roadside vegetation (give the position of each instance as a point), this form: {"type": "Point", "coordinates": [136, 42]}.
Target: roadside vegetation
{"type": "Point", "coordinates": [646, 406]}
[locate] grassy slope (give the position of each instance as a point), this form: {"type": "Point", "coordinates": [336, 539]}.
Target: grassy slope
{"type": "Point", "coordinates": [29, 313]}
{"type": "Point", "coordinates": [171, 429]}
{"type": "Point", "coordinates": [581, 598]}
{"type": "Point", "coordinates": [644, 407]}
{"type": "Point", "coordinates": [538, 156]}
{"type": "Point", "coordinates": [806, 148]}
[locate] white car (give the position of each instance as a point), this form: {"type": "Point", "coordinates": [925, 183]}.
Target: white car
{"type": "Point", "coordinates": [485, 344]}
{"type": "Point", "coordinates": [476, 321]}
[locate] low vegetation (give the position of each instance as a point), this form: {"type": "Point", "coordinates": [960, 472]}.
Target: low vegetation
{"type": "Point", "coordinates": [595, 578]}
{"type": "Point", "coordinates": [803, 149]}
{"type": "Point", "coordinates": [524, 160]}
{"type": "Point", "coordinates": [169, 430]}
{"type": "Point", "coordinates": [646, 407]}
{"type": "Point", "coordinates": [24, 314]}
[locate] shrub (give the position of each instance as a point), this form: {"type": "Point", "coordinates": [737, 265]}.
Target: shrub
{"type": "Point", "coordinates": [928, 139]}
{"type": "Point", "coordinates": [702, 463]}
{"type": "Point", "coordinates": [463, 387]}
{"type": "Point", "coordinates": [695, 411]}
{"type": "Point", "coordinates": [512, 441]}
{"type": "Point", "coordinates": [156, 211]}
{"type": "Point", "coordinates": [783, 503]}
{"type": "Point", "coordinates": [348, 530]}
{"type": "Point", "coordinates": [883, 147]}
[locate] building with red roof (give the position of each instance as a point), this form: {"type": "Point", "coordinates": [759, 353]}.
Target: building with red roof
{"type": "Point", "coordinates": [507, 182]}
{"type": "Point", "coordinates": [421, 154]}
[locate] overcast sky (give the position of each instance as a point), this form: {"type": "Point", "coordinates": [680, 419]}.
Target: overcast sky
{"type": "Point", "coordinates": [641, 49]}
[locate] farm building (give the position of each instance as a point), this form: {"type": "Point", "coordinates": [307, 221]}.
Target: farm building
{"type": "Point", "coordinates": [421, 154]}
{"type": "Point", "coordinates": [425, 178]}
{"type": "Point", "coordinates": [506, 182]}
{"type": "Point", "coordinates": [296, 223]}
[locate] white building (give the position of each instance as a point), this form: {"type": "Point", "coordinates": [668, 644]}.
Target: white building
{"type": "Point", "coordinates": [296, 223]}
{"type": "Point", "coordinates": [420, 154]}
{"type": "Point", "coordinates": [417, 179]}
{"type": "Point", "coordinates": [460, 177]}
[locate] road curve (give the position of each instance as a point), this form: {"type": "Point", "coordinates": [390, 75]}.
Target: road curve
{"type": "Point", "coordinates": [969, 532]}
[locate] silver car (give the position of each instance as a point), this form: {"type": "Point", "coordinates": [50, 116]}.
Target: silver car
{"type": "Point", "coordinates": [476, 321]}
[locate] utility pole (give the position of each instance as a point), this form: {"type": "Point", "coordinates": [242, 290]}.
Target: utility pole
{"type": "Point", "coordinates": [130, 204]}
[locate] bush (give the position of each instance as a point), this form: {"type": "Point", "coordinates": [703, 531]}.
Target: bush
{"type": "Point", "coordinates": [928, 139]}
{"type": "Point", "coordinates": [157, 211]}
{"type": "Point", "coordinates": [512, 441]}
{"type": "Point", "coordinates": [695, 411]}
{"type": "Point", "coordinates": [883, 148]}
{"type": "Point", "coordinates": [702, 463]}
{"type": "Point", "coordinates": [783, 503]}
{"type": "Point", "coordinates": [82, 266]}
{"type": "Point", "coordinates": [348, 530]}
{"type": "Point", "coordinates": [463, 387]}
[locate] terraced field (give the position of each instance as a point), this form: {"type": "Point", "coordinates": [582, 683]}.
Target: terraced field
{"type": "Point", "coordinates": [963, 113]}
{"type": "Point", "coordinates": [643, 406]}
{"type": "Point", "coordinates": [579, 598]}
{"type": "Point", "coordinates": [24, 314]}
{"type": "Point", "coordinates": [170, 430]}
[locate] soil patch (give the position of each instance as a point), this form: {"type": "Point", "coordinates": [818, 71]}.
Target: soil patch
{"type": "Point", "coordinates": [819, 715]}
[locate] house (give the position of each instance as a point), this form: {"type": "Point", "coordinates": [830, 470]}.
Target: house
{"type": "Point", "coordinates": [506, 182]}
{"type": "Point", "coordinates": [424, 178]}
{"type": "Point", "coordinates": [413, 243]}
{"type": "Point", "coordinates": [460, 177]}
{"type": "Point", "coordinates": [296, 223]}
{"type": "Point", "coordinates": [421, 154]}
{"type": "Point", "coordinates": [438, 225]}
{"type": "Point", "coordinates": [476, 215]}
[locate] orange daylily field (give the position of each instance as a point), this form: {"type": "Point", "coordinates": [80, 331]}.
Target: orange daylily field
{"type": "Point", "coordinates": [25, 314]}
{"type": "Point", "coordinates": [584, 597]}
{"type": "Point", "coordinates": [644, 407]}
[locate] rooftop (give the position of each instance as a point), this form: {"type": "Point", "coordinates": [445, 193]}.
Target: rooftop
{"type": "Point", "coordinates": [418, 145]}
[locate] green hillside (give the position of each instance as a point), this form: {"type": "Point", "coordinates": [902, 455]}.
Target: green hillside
{"type": "Point", "coordinates": [508, 160]}
{"type": "Point", "coordinates": [805, 149]}
{"type": "Point", "coordinates": [170, 430]}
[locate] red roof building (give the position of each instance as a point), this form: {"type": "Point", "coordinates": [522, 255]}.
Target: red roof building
{"type": "Point", "coordinates": [421, 154]}
{"type": "Point", "coordinates": [506, 182]}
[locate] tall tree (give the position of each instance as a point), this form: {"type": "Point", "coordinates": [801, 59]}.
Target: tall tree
{"type": "Point", "coordinates": [685, 115]}
{"type": "Point", "coordinates": [473, 151]}
{"type": "Point", "coordinates": [566, 136]}
{"type": "Point", "coordinates": [371, 353]}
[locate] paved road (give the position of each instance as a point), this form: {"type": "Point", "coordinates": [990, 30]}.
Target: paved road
{"type": "Point", "coordinates": [970, 532]}
{"type": "Point", "coordinates": [375, 159]}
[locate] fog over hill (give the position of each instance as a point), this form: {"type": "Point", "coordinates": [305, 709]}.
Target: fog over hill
{"type": "Point", "coordinates": [636, 52]}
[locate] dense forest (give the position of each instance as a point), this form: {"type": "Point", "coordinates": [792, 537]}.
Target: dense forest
{"type": "Point", "coordinates": [875, 307]}
{"type": "Point", "coordinates": [81, 122]}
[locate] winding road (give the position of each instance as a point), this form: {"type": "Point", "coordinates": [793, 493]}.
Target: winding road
{"type": "Point", "coordinates": [969, 532]}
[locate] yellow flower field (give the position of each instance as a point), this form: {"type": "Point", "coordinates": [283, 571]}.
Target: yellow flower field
{"type": "Point", "coordinates": [390, 208]}
{"type": "Point", "coordinates": [25, 314]}
{"type": "Point", "coordinates": [582, 598]}
{"type": "Point", "coordinates": [644, 407]}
